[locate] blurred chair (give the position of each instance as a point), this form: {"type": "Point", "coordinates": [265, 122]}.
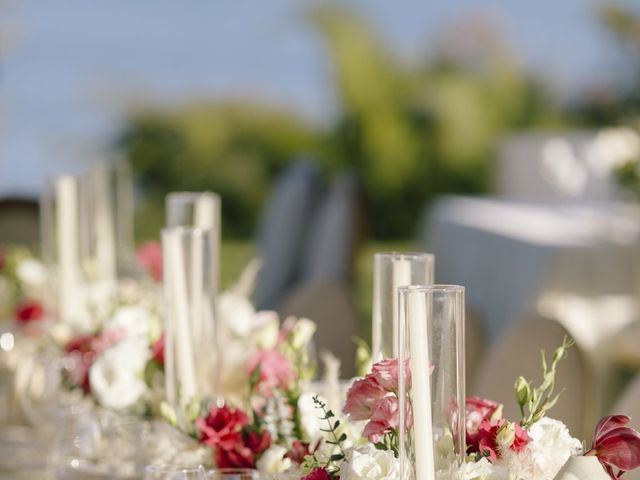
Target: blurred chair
{"type": "Point", "coordinates": [475, 342]}
{"type": "Point", "coordinates": [19, 221]}
{"type": "Point", "coordinates": [629, 404]}
{"type": "Point", "coordinates": [284, 229]}
{"type": "Point", "coordinates": [325, 293]}
{"type": "Point", "coordinates": [330, 252]}
{"type": "Point", "coordinates": [517, 353]}
{"type": "Point", "coordinates": [330, 305]}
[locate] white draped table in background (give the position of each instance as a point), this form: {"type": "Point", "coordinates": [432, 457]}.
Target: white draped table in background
{"type": "Point", "coordinates": [516, 257]}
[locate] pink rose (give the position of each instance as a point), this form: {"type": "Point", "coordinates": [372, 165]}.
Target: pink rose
{"type": "Point", "coordinates": [385, 411]}
{"type": "Point", "coordinates": [274, 371]}
{"type": "Point", "coordinates": [361, 398]}
{"type": "Point", "coordinates": [386, 373]}
{"type": "Point", "coordinates": [149, 257]}
{"type": "Point", "coordinates": [374, 431]}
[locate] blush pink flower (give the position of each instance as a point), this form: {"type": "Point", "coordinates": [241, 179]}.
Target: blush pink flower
{"type": "Point", "coordinates": [375, 431]}
{"type": "Point", "coordinates": [386, 412]}
{"type": "Point", "coordinates": [361, 398]}
{"type": "Point", "coordinates": [386, 374]}
{"type": "Point", "coordinates": [274, 371]}
{"type": "Point", "coordinates": [149, 258]}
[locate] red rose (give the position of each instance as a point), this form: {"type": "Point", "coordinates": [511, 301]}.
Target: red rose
{"type": "Point", "coordinates": [318, 473]}
{"type": "Point", "coordinates": [149, 257]}
{"type": "Point", "coordinates": [298, 451]}
{"type": "Point", "coordinates": [29, 311]}
{"type": "Point", "coordinates": [158, 350]}
{"type": "Point", "coordinates": [222, 427]}
{"type": "Point", "coordinates": [258, 442]}
{"type": "Point", "coordinates": [236, 456]}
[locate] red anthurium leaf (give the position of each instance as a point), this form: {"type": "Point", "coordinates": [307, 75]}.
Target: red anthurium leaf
{"type": "Point", "coordinates": [620, 447]}
{"type": "Point", "coordinates": [607, 424]}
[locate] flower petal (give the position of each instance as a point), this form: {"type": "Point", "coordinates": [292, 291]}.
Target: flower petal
{"type": "Point", "coordinates": [620, 447]}
{"type": "Point", "coordinates": [607, 424]}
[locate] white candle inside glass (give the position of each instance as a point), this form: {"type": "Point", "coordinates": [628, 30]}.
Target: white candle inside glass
{"type": "Point", "coordinates": [421, 387]}
{"type": "Point", "coordinates": [67, 244]}
{"type": "Point", "coordinates": [183, 345]}
{"type": "Point", "coordinates": [401, 277]}
{"type": "Point", "coordinates": [105, 231]}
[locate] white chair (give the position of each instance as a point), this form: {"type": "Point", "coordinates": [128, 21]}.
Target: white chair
{"type": "Point", "coordinates": [517, 353]}
{"type": "Point", "coordinates": [629, 404]}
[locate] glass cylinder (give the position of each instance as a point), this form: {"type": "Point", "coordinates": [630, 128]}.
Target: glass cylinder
{"type": "Point", "coordinates": [174, 472]}
{"type": "Point", "coordinates": [200, 210]}
{"type": "Point", "coordinates": [233, 474]}
{"type": "Point", "coordinates": [191, 350]}
{"type": "Point", "coordinates": [107, 222]}
{"type": "Point", "coordinates": [60, 234]}
{"type": "Point", "coordinates": [431, 386]}
{"type": "Point", "coordinates": [392, 270]}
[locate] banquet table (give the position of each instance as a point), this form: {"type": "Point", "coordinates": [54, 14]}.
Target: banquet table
{"type": "Point", "coordinates": [514, 257]}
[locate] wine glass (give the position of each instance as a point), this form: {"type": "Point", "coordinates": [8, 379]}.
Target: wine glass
{"type": "Point", "coordinates": [174, 472]}
{"type": "Point", "coordinates": [233, 474]}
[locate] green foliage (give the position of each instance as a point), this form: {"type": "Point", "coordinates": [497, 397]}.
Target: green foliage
{"type": "Point", "coordinates": [534, 401]}
{"type": "Point", "coordinates": [411, 132]}
{"type": "Point", "coordinates": [332, 464]}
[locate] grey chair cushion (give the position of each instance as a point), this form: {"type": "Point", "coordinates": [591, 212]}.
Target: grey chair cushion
{"type": "Point", "coordinates": [283, 230]}
{"type": "Point", "coordinates": [331, 247]}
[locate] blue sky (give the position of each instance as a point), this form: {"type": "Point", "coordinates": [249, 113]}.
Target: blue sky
{"type": "Point", "coordinates": [70, 68]}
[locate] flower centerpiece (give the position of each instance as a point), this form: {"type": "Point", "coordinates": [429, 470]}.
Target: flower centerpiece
{"type": "Point", "coordinates": [536, 447]}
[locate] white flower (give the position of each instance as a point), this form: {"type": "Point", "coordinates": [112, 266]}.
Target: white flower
{"type": "Point", "coordinates": [134, 321]}
{"type": "Point", "coordinates": [116, 377]}
{"type": "Point", "coordinates": [236, 313]}
{"type": "Point", "coordinates": [273, 460]}
{"type": "Point", "coordinates": [550, 447]}
{"type": "Point", "coordinates": [369, 463]}
{"type": "Point", "coordinates": [310, 421]}
{"type": "Point", "coordinates": [302, 333]}
{"type": "Point", "coordinates": [32, 273]}
{"type": "Point", "coordinates": [481, 470]}
{"type": "Point", "coordinates": [266, 337]}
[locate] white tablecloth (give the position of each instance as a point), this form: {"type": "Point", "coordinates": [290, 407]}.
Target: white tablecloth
{"type": "Point", "coordinates": [513, 256]}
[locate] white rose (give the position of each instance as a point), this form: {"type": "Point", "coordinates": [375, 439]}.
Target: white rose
{"type": "Point", "coordinates": [116, 377]}
{"type": "Point", "coordinates": [273, 460]}
{"type": "Point", "coordinates": [32, 273]}
{"type": "Point", "coordinates": [550, 447]}
{"type": "Point", "coordinates": [481, 470]}
{"type": "Point", "coordinates": [134, 321]}
{"type": "Point", "coordinates": [369, 463]}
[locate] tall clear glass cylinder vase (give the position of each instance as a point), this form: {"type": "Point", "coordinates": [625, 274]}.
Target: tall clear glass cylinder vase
{"type": "Point", "coordinates": [392, 270]}
{"type": "Point", "coordinates": [60, 236]}
{"type": "Point", "coordinates": [200, 210]}
{"type": "Point", "coordinates": [431, 386]}
{"type": "Point", "coordinates": [107, 222]}
{"type": "Point", "coordinates": [191, 347]}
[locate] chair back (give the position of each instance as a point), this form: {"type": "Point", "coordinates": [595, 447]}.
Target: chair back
{"type": "Point", "coordinates": [284, 229]}
{"type": "Point", "coordinates": [517, 353]}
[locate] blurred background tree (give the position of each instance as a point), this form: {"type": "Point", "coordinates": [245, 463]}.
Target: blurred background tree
{"type": "Point", "coordinates": [411, 131]}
